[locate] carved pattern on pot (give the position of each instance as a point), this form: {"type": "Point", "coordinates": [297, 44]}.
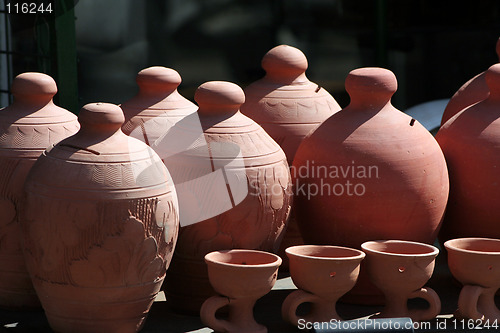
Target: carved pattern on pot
{"type": "Point", "coordinates": [83, 241]}
{"type": "Point", "coordinates": [24, 137]}
{"type": "Point", "coordinates": [244, 227]}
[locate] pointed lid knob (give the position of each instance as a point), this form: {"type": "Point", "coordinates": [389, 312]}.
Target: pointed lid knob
{"type": "Point", "coordinates": [284, 64]}
{"type": "Point", "coordinates": [158, 79]}
{"type": "Point", "coordinates": [34, 87]}
{"type": "Point", "coordinates": [219, 97]}
{"type": "Point", "coordinates": [104, 117]}
{"type": "Point", "coordinates": [372, 86]}
{"type": "Point", "coordinates": [493, 80]}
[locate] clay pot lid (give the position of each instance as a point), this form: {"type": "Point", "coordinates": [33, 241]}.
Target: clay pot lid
{"type": "Point", "coordinates": [221, 121]}
{"type": "Point", "coordinates": [371, 85]}
{"type": "Point", "coordinates": [33, 105]}
{"type": "Point", "coordinates": [121, 159]}
{"type": "Point", "coordinates": [492, 78]}
{"type": "Point", "coordinates": [158, 96]}
{"type": "Point", "coordinates": [34, 87]}
{"type": "Point", "coordinates": [102, 116]}
{"type": "Point", "coordinates": [284, 63]}
{"type": "Point", "coordinates": [219, 97]}
{"type": "Point", "coordinates": [158, 79]}
{"type": "Point", "coordinates": [100, 134]}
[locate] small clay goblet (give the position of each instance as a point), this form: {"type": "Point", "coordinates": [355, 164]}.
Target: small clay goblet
{"type": "Point", "coordinates": [475, 262]}
{"type": "Point", "coordinates": [323, 274]}
{"type": "Point", "coordinates": [241, 277]}
{"type": "Point", "coordinates": [400, 269]}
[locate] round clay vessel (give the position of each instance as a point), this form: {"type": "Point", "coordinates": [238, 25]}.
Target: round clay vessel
{"type": "Point", "coordinates": [473, 91]}
{"type": "Point", "coordinates": [323, 274]}
{"type": "Point", "coordinates": [475, 262]}
{"type": "Point", "coordinates": [27, 127]}
{"type": "Point", "coordinates": [369, 172]}
{"type": "Point", "coordinates": [234, 189]}
{"type": "Point", "coordinates": [240, 277]}
{"type": "Point", "coordinates": [157, 107]}
{"type": "Point", "coordinates": [471, 144]}
{"type": "Point", "coordinates": [288, 106]}
{"type": "Point", "coordinates": [100, 225]}
{"type": "Point", "coordinates": [401, 269]}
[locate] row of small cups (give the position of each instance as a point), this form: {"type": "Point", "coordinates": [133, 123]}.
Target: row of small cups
{"type": "Point", "coordinates": [323, 274]}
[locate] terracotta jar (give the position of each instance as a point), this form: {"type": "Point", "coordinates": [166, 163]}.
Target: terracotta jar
{"type": "Point", "coordinates": [234, 190]}
{"type": "Point", "coordinates": [157, 107]}
{"type": "Point", "coordinates": [369, 172]}
{"type": "Point", "coordinates": [401, 269]}
{"type": "Point", "coordinates": [27, 126]}
{"type": "Point", "coordinates": [288, 106]}
{"type": "Point", "coordinates": [473, 91]}
{"type": "Point", "coordinates": [471, 144]}
{"type": "Point", "coordinates": [240, 278]}
{"type": "Point", "coordinates": [100, 226]}
{"type": "Point", "coordinates": [323, 274]}
{"type": "Point", "coordinates": [475, 263]}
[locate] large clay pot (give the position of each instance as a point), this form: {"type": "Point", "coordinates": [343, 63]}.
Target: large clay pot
{"type": "Point", "coordinates": [288, 106]}
{"type": "Point", "coordinates": [158, 105]}
{"type": "Point", "coordinates": [100, 226]}
{"type": "Point", "coordinates": [27, 127]}
{"type": "Point", "coordinates": [471, 145]}
{"type": "Point", "coordinates": [234, 190]}
{"type": "Point", "coordinates": [369, 172]}
{"type": "Point", "coordinates": [473, 91]}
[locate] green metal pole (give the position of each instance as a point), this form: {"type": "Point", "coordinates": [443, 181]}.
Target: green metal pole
{"type": "Point", "coordinates": [64, 55]}
{"type": "Point", "coordinates": [381, 47]}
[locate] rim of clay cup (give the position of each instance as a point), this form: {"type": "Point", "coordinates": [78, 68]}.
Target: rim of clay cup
{"type": "Point", "coordinates": [357, 254]}
{"type": "Point", "coordinates": [450, 245]}
{"type": "Point", "coordinates": [434, 251]}
{"type": "Point", "coordinates": [275, 263]}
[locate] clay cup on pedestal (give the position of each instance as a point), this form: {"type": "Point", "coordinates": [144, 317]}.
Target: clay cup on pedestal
{"type": "Point", "coordinates": [400, 269]}
{"type": "Point", "coordinates": [240, 277]}
{"type": "Point", "coordinates": [323, 274]}
{"type": "Point", "coordinates": [475, 262]}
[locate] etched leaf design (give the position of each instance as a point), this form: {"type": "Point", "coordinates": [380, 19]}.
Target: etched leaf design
{"type": "Point", "coordinates": [155, 269]}
{"type": "Point", "coordinates": [127, 258]}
